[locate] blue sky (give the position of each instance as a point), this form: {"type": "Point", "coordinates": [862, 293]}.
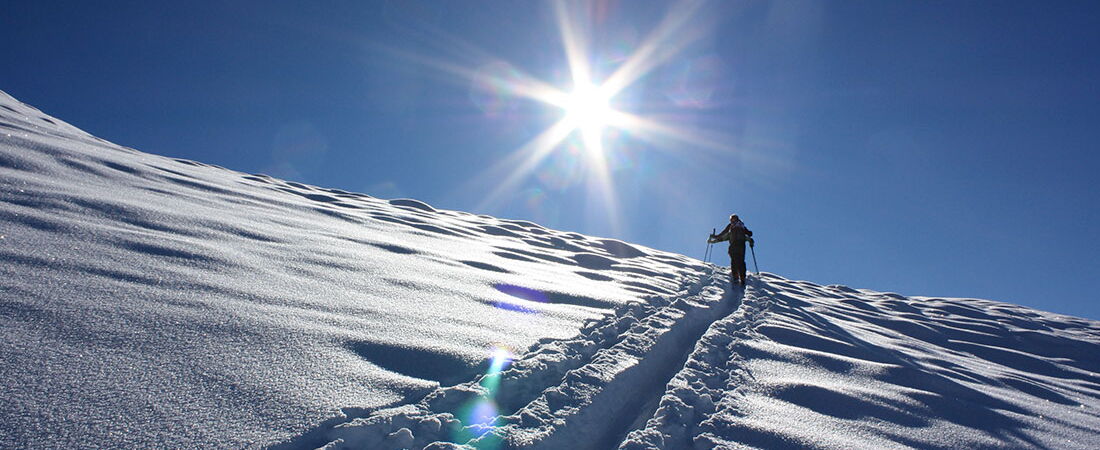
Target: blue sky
{"type": "Point", "coordinates": [925, 148]}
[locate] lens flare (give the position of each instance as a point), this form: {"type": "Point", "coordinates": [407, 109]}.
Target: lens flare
{"type": "Point", "coordinates": [500, 360]}
{"type": "Point", "coordinates": [481, 415]}
{"type": "Point", "coordinates": [693, 84]}
{"type": "Point", "coordinates": [492, 88]}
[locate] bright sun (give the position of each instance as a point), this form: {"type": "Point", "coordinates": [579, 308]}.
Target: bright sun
{"type": "Point", "coordinates": [587, 108]}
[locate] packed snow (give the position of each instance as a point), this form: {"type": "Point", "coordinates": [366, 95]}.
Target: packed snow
{"type": "Point", "coordinates": [155, 302]}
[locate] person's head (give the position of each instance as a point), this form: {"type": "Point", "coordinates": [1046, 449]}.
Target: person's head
{"type": "Point", "coordinates": [734, 218]}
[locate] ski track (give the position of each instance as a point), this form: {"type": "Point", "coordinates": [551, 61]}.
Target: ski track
{"type": "Point", "coordinates": [866, 370]}
{"type": "Point", "coordinates": [561, 393]}
{"type": "Point", "coordinates": [703, 380]}
{"type": "Point", "coordinates": [764, 368]}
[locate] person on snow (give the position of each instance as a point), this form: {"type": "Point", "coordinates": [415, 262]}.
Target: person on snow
{"type": "Point", "coordinates": [737, 234]}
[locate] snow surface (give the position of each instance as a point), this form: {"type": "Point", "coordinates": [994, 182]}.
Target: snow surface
{"type": "Point", "coordinates": [152, 302]}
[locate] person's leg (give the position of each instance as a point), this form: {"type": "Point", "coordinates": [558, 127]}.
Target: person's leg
{"type": "Point", "coordinates": [733, 269]}
{"type": "Point", "coordinates": [737, 266]}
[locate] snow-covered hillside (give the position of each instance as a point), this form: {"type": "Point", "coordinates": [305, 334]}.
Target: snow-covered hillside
{"type": "Point", "coordinates": [152, 302]}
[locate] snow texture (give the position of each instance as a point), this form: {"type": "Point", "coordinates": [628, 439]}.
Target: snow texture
{"type": "Point", "coordinates": [153, 302]}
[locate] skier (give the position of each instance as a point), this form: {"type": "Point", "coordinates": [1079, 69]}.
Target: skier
{"type": "Point", "coordinates": [737, 234]}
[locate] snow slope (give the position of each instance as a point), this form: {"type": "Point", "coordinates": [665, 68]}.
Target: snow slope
{"type": "Point", "coordinates": [802, 365]}
{"type": "Point", "coordinates": [147, 301]}
{"type": "Point", "coordinates": [783, 364]}
{"type": "Point", "coordinates": [152, 301]}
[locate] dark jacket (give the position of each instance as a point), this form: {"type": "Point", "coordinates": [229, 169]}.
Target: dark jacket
{"type": "Point", "coordinates": [737, 234]}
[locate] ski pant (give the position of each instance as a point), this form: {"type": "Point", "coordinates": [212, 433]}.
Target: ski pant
{"type": "Point", "coordinates": [737, 265]}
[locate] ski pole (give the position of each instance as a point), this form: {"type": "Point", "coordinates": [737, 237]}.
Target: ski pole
{"type": "Point", "coordinates": [706, 257]}
{"type": "Point", "coordinates": [753, 250]}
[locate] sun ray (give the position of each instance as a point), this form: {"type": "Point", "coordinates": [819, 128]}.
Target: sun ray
{"type": "Point", "coordinates": [523, 84]}
{"type": "Point", "coordinates": [573, 41]}
{"type": "Point", "coordinates": [522, 162]}
{"type": "Point", "coordinates": [602, 182]}
{"type": "Point", "coordinates": [668, 39]}
{"type": "Point", "coordinates": [642, 127]}
{"type": "Point", "coordinates": [586, 106]}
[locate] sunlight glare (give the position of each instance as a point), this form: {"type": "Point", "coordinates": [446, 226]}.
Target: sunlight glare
{"type": "Point", "coordinates": [587, 110]}
{"type": "Point", "coordinates": [588, 107]}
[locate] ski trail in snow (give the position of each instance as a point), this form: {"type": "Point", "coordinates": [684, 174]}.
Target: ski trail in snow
{"type": "Point", "coordinates": [788, 369]}
{"type": "Point", "coordinates": [712, 371]}
{"type": "Point", "coordinates": [584, 392]}
{"type": "Point", "coordinates": [594, 404]}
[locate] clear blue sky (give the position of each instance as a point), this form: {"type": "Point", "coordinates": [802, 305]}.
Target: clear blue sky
{"type": "Point", "coordinates": [926, 148]}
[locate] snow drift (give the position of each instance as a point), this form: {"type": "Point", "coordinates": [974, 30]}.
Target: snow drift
{"type": "Point", "coordinates": [148, 301]}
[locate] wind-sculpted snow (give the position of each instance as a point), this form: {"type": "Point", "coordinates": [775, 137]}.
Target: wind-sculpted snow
{"type": "Point", "coordinates": [148, 301]}
{"type": "Point", "coordinates": [802, 366]}
{"type": "Point", "coordinates": [787, 365]}
{"type": "Point", "coordinates": [152, 302]}
{"type": "Point", "coordinates": [578, 393]}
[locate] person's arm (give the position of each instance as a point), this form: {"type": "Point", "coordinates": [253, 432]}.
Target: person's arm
{"type": "Point", "coordinates": [724, 235]}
